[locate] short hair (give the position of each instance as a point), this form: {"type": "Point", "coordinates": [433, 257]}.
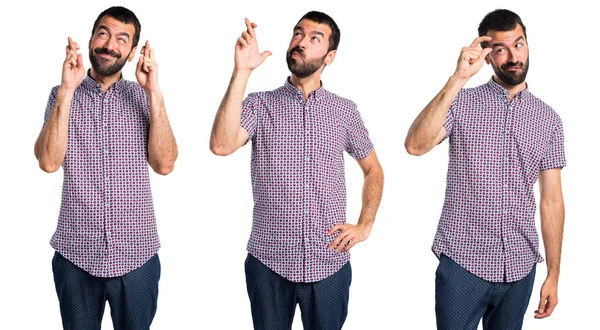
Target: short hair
{"type": "Point", "coordinates": [500, 20]}
{"type": "Point", "coordinates": [123, 15]}
{"type": "Point", "coordinates": [322, 18]}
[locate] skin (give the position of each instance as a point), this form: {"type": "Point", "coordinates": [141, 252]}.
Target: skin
{"type": "Point", "coordinates": [427, 131]}
{"type": "Point", "coordinates": [227, 134]}
{"type": "Point", "coordinates": [51, 145]}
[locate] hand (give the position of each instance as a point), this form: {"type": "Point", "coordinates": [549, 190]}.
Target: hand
{"type": "Point", "coordinates": [73, 71]}
{"type": "Point", "coordinates": [147, 69]}
{"type": "Point", "coordinates": [349, 235]}
{"type": "Point", "coordinates": [247, 57]}
{"type": "Point", "coordinates": [548, 298]}
{"type": "Point", "coordinates": [471, 58]}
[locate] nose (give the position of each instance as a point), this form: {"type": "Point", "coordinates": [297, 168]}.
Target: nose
{"type": "Point", "coordinates": [512, 56]}
{"type": "Point", "coordinates": [110, 43]}
{"type": "Point", "coordinates": [303, 42]}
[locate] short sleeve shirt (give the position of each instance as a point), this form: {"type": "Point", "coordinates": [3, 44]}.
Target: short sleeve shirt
{"type": "Point", "coordinates": [106, 225]}
{"type": "Point", "coordinates": [298, 182]}
{"type": "Point", "coordinates": [497, 149]}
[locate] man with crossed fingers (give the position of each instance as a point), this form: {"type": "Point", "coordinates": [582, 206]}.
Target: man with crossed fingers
{"type": "Point", "coordinates": [502, 140]}
{"type": "Point", "coordinates": [104, 131]}
{"type": "Point", "coordinates": [299, 245]}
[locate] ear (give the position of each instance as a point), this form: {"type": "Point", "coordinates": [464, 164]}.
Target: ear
{"type": "Point", "coordinates": [330, 57]}
{"type": "Point", "coordinates": [90, 43]}
{"type": "Point", "coordinates": [132, 54]}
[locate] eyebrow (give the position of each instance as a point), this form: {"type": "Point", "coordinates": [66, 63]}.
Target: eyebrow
{"type": "Point", "coordinates": [519, 38]}
{"type": "Point", "coordinates": [298, 27]}
{"type": "Point", "coordinates": [119, 34]}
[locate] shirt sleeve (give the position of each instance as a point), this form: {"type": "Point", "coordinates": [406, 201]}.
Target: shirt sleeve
{"type": "Point", "coordinates": [358, 144]}
{"type": "Point", "coordinates": [50, 104]}
{"type": "Point", "coordinates": [555, 154]}
{"type": "Point", "coordinates": [248, 119]}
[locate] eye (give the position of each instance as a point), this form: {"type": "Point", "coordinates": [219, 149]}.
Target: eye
{"type": "Point", "coordinates": [519, 45]}
{"type": "Point", "coordinates": [500, 51]}
{"type": "Point", "coordinates": [297, 34]}
{"type": "Point", "coordinates": [316, 39]}
{"type": "Point", "coordinates": [123, 40]}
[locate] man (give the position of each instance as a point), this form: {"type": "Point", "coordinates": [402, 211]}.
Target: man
{"type": "Point", "coordinates": [502, 138]}
{"type": "Point", "coordinates": [104, 130]}
{"type": "Point", "coordinates": [299, 245]}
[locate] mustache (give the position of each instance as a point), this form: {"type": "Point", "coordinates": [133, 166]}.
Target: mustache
{"type": "Point", "coordinates": [297, 50]}
{"type": "Point", "coordinates": [113, 53]}
{"type": "Point", "coordinates": [507, 65]}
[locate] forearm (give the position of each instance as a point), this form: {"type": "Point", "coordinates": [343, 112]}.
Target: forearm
{"type": "Point", "coordinates": [51, 145]}
{"type": "Point", "coordinates": [226, 127]}
{"type": "Point", "coordinates": [552, 214]}
{"type": "Point", "coordinates": [371, 196]}
{"type": "Point", "coordinates": [162, 148]}
{"type": "Point", "coordinates": [425, 129]}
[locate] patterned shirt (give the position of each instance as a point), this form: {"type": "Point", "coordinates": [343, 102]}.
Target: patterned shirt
{"type": "Point", "coordinates": [298, 180]}
{"type": "Point", "coordinates": [498, 147]}
{"type": "Point", "coordinates": [106, 224]}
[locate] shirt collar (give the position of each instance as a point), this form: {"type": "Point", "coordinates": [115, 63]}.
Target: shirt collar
{"type": "Point", "coordinates": [499, 90]}
{"type": "Point", "coordinates": [317, 93]}
{"type": "Point", "coordinates": [89, 83]}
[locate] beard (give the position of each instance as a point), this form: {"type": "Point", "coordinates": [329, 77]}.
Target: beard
{"type": "Point", "coordinates": [103, 65]}
{"type": "Point", "coordinates": [302, 68]}
{"type": "Point", "coordinates": [512, 78]}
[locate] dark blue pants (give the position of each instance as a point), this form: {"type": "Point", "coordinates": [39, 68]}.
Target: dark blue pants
{"type": "Point", "coordinates": [82, 297]}
{"type": "Point", "coordinates": [273, 299]}
{"type": "Point", "coordinates": [462, 299]}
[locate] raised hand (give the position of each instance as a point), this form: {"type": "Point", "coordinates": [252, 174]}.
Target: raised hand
{"type": "Point", "coordinates": [147, 69]}
{"type": "Point", "coordinates": [247, 56]}
{"type": "Point", "coordinates": [73, 71]}
{"type": "Point", "coordinates": [471, 58]}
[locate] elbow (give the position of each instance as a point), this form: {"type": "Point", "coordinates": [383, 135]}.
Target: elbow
{"type": "Point", "coordinates": [220, 150]}
{"type": "Point", "coordinates": [414, 150]}
{"type": "Point", "coordinates": [49, 167]}
{"type": "Point", "coordinates": [164, 169]}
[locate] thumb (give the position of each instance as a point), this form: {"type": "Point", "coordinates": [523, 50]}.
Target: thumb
{"type": "Point", "coordinates": [542, 304]}
{"type": "Point", "coordinates": [266, 54]}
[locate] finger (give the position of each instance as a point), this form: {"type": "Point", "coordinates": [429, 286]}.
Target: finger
{"type": "Point", "coordinates": [149, 64]}
{"type": "Point", "coordinates": [479, 40]}
{"type": "Point", "coordinates": [542, 305]}
{"type": "Point", "coordinates": [485, 52]}
{"type": "Point", "coordinates": [250, 27]}
{"type": "Point", "coordinates": [149, 50]}
{"type": "Point", "coordinates": [347, 240]}
{"type": "Point", "coordinates": [550, 307]}
{"type": "Point", "coordinates": [79, 61]}
{"type": "Point", "coordinates": [266, 54]}
{"type": "Point", "coordinates": [334, 229]}
{"type": "Point", "coordinates": [140, 63]}
{"type": "Point", "coordinates": [246, 36]}
{"type": "Point", "coordinates": [351, 244]}
{"type": "Point", "coordinates": [71, 46]}
{"type": "Point", "coordinates": [242, 42]}
{"type": "Point", "coordinates": [337, 241]}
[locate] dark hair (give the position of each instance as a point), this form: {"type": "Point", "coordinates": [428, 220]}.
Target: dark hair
{"type": "Point", "coordinates": [123, 15]}
{"type": "Point", "coordinates": [500, 20]}
{"type": "Point", "coordinates": [322, 18]}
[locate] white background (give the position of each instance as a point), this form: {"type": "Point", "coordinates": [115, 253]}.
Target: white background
{"type": "Point", "coordinates": [391, 62]}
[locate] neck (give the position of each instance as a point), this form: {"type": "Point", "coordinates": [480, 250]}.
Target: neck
{"type": "Point", "coordinates": [307, 85]}
{"type": "Point", "coordinates": [512, 89]}
{"type": "Point", "coordinates": [105, 81]}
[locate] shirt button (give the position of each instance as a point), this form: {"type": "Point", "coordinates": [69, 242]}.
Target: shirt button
{"type": "Point", "coordinates": [305, 211]}
{"type": "Point", "coordinates": [307, 158]}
